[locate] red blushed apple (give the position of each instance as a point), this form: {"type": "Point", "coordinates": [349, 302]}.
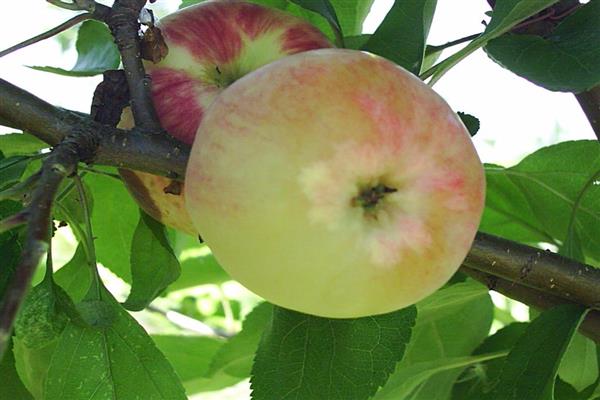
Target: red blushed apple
{"type": "Point", "coordinates": [335, 183]}
{"type": "Point", "coordinates": [210, 46]}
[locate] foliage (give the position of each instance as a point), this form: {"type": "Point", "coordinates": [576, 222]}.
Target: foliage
{"type": "Point", "coordinates": [74, 340]}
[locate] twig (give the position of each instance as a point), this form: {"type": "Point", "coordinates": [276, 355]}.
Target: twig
{"type": "Point", "coordinates": [20, 190]}
{"type": "Point", "coordinates": [100, 172]}
{"type": "Point", "coordinates": [590, 104]}
{"type": "Point", "coordinates": [536, 268]}
{"type": "Point", "coordinates": [96, 10]}
{"type": "Point", "coordinates": [13, 221]}
{"type": "Point", "coordinates": [58, 165]}
{"type": "Point", "coordinates": [188, 323]}
{"type": "Point", "coordinates": [88, 241]}
{"type": "Point", "coordinates": [64, 4]}
{"type": "Point", "coordinates": [535, 298]}
{"type": "Point", "coordinates": [452, 43]}
{"type": "Point", "coordinates": [124, 25]}
{"type": "Point", "coordinates": [48, 34]}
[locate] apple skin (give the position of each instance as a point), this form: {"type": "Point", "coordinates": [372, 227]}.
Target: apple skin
{"type": "Point", "coordinates": [210, 45]}
{"type": "Point", "coordinates": [335, 183]}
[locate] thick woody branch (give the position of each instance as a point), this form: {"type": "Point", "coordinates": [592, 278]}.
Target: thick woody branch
{"type": "Point", "coordinates": [590, 104]}
{"type": "Point", "coordinates": [590, 326]}
{"type": "Point", "coordinates": [156, 153]}
{"type": "Point", "coordinates": [531, 267]}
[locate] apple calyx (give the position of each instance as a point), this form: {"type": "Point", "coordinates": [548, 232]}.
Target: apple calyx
{"type": "Point", "coordinates": [369, 197]}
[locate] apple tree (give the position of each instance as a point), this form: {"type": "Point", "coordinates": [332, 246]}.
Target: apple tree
{"type": "Point", "coordinates": [99, 299]}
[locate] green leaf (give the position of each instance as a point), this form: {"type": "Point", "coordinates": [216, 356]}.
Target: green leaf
{"type": "Point", "coordinates": [75, 277]}
{"type": "Point", "coordinates": [549, 196]}
{"type": "Point", "coordinates": [236, 356]}
{"type": "Point", "coordinates": [290, 7]}
{"type": "Point", "coordinates": [96, 313]}
{"type": "Point", "coordinates": [568, 60]}
{"type": "Point", "coordinates": [12, 169]}
{"type": "Point", "coordinates": [402, 35]}
{"type": "Point", "coordinates": [324, 8]}
{"type": "Point", "coordinates": [450, 324]}
{"type": "Point", "coordinates": [96, 52]}
{"type": "Point", "coordinates": [508, 212]}
{"type": "Point", "coordinates": [356, 42]}
{"type": "Point", "coordinates": [68, 208]}
{"type": "Point", "coordinates": [313, 17]}
{"type": "Point", "coordinates": [471, 122]}
{"type": "Point", "coordinates": [475, 382]}
{"type": "Point", "coordinates": [408, 380]}
{"type": "Point", "coordinates": [187, 3]}
{"type": "Point", "coordinates": [198, 265]}
{"type": "Point", "coordinates": [20, 144]}
{"type": "Point", "coordinates": [530, 368]}
{"type": "Point", "coordinates": [10, 245]}
{"type": "Point", "coordinates": [564, 391]}
{"type": "Point", "coordinates": [114, 223]}
{"type": "Point", "coordinates": [153, 264]}
{"type": "Point", "coordinates": [191, 356]}
{"type": "Point", "coordinates": [32, 365]}
{"type": "Point", "coordinates": [579, 366]}
{"type": "Point", "coordinates": [40, 323]}
{"type": "Point", "coordinates": [41, 318]}
{"type": "Point", "coordinates": [119, 361]}
{"type": "Point", "coordinates": [506, 14]}
{"type": "Point", "coordinates": [352, 14]}
{"type": "Point", "coordinates": [432, 54]}
{"type": "Point", "coordinates": [12, 387]}
{"type": "Point", "coordinates": [305, 357]}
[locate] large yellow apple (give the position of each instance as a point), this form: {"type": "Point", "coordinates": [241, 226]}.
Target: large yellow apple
{"type": "Point", "coordinates": [210, 45]}
{"type": "Point", "coordinates": [335, 183]}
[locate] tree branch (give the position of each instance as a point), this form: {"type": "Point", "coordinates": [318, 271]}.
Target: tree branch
{"type": "Point", "coordinates": [158, 154]}
{"type": "Point", "coordinates": [590, 104]}
{"type": "Point", "coordinates": [124, 25]}
{"type": "Point", "coordinates": [543, 270]}
{"type": "Point", "coordinates": [532, 297]}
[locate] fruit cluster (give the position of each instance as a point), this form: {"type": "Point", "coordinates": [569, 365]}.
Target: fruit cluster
{"type": "Point", "coordinates": [329, 181]}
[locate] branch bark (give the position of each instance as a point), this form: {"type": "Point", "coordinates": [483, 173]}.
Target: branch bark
{"type": "Point", "coordinates": [590, 326]}
{"type": "Point", "coordinates": [590, 104]}
{"type": "Point", "coordinates": [535, 268]}
{"type": "Point", "coordinates": [155, 153]}
{"type": "Point", "coordinates": [124, 25]}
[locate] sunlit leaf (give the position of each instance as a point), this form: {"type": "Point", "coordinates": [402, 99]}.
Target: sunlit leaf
{"type": "Point", "coordinates": [96, 49]}
{"type": "Point", "coordinates": [303, 356]}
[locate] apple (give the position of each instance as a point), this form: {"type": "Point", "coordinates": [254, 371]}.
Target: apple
{"type": "Point", "coordinates": [210, 46]}
{"type": "Point", "coordinates": [335, 183]}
